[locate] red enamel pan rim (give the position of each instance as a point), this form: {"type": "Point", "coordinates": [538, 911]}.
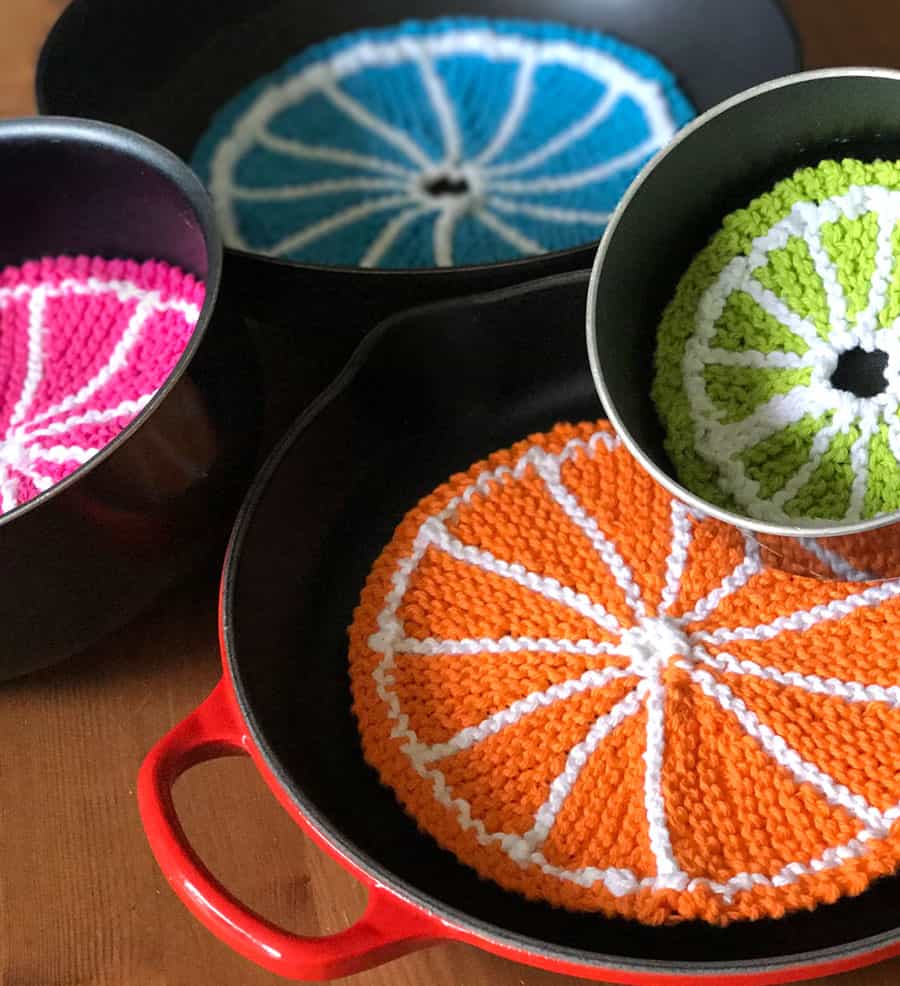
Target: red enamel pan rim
{"type": "Point", "coordinates": [399, 917]}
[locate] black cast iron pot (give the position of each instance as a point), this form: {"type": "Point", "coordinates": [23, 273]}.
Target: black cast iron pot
{"type": "Point", "coordinates": [86, 555]}
{"type": "Point", "coordinates": [162, 67]}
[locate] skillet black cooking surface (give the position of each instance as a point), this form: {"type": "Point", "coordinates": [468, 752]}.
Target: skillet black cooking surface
{"type": "Point", "coordinates": [427, 394]}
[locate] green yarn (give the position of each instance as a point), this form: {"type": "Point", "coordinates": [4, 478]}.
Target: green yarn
{"type": "Point", "coordinates": [827, 492]}
{"type": "Point", "coordinates": [744, 325]}
{"type": "Point", "coordinates": [739, 390]}
{"type": "Point", "coordinates": [773, 461]}
{"type": "Point", "coordinates": [891, 310]}
{"type": "Point", "coordinates": [739, 430]}
{"type": "Point", "coordinates": [851, 243]}
{"type": "Point", "coordinates": [791, 274]}
{"type": "Point", "coordinates": [883, 492]}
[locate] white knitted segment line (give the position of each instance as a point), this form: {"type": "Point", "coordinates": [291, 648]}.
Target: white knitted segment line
{"type": "Point", "coordinates": [618, 881]}
{"type": "Point", "coordinates": [668, 872]}
{"type": "Point", "coordinates": [286, 193]}
{"type": "Point", "coordinates": [834, 293]}
{"type": "Point", "coordinates": [340, 220]}
{"type": "Point", "coordinates": [118, 358]}
{"type": "Point", "coordinates": [442, 647]}
{"type": "Point", "coordinates": [849, 691]}
{"type": "Point", "coordinates": [126, 408]}
{"type": "Point", "coordinates": [63, 453]}
{"type": "Point", "coordinates": [749, 566]}
{"type": "Point", "coordinates": [34, 372]}
{"type": "Point", "coordinates": [578, 179]}
{"type": "Point", "coordinates": [820, 444]}
{"type": "Point", "coordinates": [41, 483]}
{"type": "Point", "coordinates": [8, 490]}
{"type": "Point", "coordinates": [887, 211]}
{"type": "Point", "coordinates": [443, 108]}
{"type": "Point", "coordinates": [550, 214]}
{"type": "Point", "coordinates": [472, 735]}
{"type": "Point", "coordinates": [548, 468]}
{"type": "Point", "coordinates": [580, 128]}
{"type": "Point", "coordinates": [776, 413]}
{"type": "Point", "coordinates": [514, 237]}
{"type": "Point", "coordinates": [775, 746]}
{"type": "Point", "coordinates": [291, 147]}
{"type": "Point", "coordinates": [755, 359]}
{"type": "Point", "coordinates": [123, 291]}
{"type": "Point", "coordinates": [369, 121]}
{"type": "Point", "coordinates": [518, 104]}
{"type": "Point", "coordinates": [542, 585]}
{"type": "Point", "coordinates": [444, 228]}
{"type": "Point", "coordinates": [388, 236]}
{"type": "Point", "coordinates": [836, 562]}
{"type": "Point", "coordinates": [888, 340]}
{"type": "Point", "coordinates": [859, 462]}
{"type": "Point", "coordinates": [682, 535]}
{"type": "Point", "coordinates": [579, 755]}
{"type": "Point", "coordinates": [803, 619]}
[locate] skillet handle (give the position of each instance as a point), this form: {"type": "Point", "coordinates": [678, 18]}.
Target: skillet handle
{"type": "Point", "coordinates": [388, 928]}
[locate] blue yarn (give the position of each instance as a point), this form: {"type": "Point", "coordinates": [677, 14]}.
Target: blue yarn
{"type": "Point", "coordinates": [481, 216]}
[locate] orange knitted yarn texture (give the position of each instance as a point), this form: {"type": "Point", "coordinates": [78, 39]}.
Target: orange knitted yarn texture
{"type": "Point", "coordinates": [600, 699]}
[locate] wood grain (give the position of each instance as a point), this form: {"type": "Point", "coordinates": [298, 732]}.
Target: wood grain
{"type": "Point", "coordinates": [81, 900]}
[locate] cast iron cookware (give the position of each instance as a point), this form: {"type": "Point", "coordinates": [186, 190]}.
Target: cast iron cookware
{"type": "Point", "coordinates": [426, 394]}
{"type": "Point", "coordinates": [721, 161]}
{"type": "Point", "coordinates": [162, 67]}
{"type": "Point", "coordinates": [94, 549]}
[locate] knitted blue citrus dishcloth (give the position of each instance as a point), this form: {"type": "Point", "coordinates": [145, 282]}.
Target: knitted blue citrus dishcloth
{"type": "Point", "coordinates": [439, 143]}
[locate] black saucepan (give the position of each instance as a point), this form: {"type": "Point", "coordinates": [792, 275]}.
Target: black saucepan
{"type": "Point", "coordinates": [426, 395]}
{"type": "Point", "coordinates": [162, 67]}
{"type": "Point", "coordinates": [87, 554]}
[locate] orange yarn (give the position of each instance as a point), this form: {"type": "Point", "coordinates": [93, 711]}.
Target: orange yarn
{"type": "Point", "coordinates": [597, 698]}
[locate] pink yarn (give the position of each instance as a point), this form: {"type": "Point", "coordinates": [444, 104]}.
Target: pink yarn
{"type": "Point", "coordinates": [85, 343]}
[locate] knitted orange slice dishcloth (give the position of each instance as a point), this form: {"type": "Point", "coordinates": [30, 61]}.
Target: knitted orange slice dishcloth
{"type": "Point", "coordinates": [597, 698]}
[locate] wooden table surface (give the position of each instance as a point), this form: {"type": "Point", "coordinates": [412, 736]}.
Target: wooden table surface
{"type": "Point", "coordinates": [82, 902]}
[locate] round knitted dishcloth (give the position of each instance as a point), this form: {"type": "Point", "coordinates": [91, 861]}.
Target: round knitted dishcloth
{"type": "Point", "coordinates": [437, 143]}
{"type": "Point", "coordinates": [84, 345]}
{"type": "Point", "coordinates": [754, 364]}
{"type": "Point", "coordinates": [598, 698]}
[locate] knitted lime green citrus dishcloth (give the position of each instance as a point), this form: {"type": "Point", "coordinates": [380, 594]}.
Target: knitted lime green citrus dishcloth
{"type": "Point", "coordinates": [747, 350]}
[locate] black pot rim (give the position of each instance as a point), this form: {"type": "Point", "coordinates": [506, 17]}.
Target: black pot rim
{"type": "Point", "coordinates": [415, 898]}
{"type": "Point", "coordinates": [119, 140]}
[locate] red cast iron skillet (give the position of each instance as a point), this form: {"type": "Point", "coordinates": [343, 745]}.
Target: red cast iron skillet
{"type": "Point", "coordinates": [92, 551]}
{"type": "Point", "coordinates": [427, 393]}
{"type": "Point", "coordinates": [162, 67]}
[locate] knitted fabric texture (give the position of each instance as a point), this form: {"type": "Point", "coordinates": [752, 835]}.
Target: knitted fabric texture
{"type": "Point", "coordinates": [84, 345]}
{"type": "Point", "coordinates": [602, 700]}
{"type": "Point", "coordinates": [749, 352]}
{"type": "Point", "coordinates": [439, 143]}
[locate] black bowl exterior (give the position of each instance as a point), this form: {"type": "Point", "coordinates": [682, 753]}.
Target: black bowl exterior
{"type": "Point", "coordinates": [428, 394]}
{"type": "Point", "coordinates": [163, 68]}
{"type": "Point", "coordinates": [90, 552]}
